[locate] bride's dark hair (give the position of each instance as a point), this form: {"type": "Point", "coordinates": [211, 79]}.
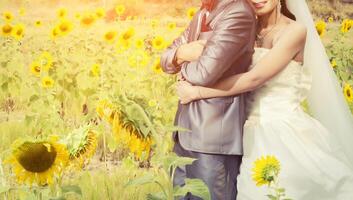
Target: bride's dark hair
{"type": "Point", "coordinates": [285, 11]}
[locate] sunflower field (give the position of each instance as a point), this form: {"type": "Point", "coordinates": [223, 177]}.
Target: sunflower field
{"type": "Point", "coordinates": [85, 110]}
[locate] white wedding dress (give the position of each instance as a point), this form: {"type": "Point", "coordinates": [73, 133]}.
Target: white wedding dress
{"type": "Point", "coordinates": [311, 167]}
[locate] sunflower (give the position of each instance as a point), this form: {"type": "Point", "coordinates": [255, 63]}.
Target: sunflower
{"type": "Point", "coordinates": [191, 12]}
{"type": "Point", "coordinates": [62, 13]}
{"type": "Point", "coordinates": [22, 11]}
{"type": "Point", "coordinates": [46, 60]}
{"type": "Point", "coordinates": [346, 25]}
{"type": "Point", "coordinates": [158, 43]}
{"type": "Point", "coordinates": [321, 27]}
{"type": "Point", "coordinates": [8, 16]}
{"type": "Point", "coordinates": [152, 103]}
{"type": "Point", "coordinates": [96, 70]}
{"type": "Point", "coordinates": [171, 26]}
{"type": "Point", "coordinates": [122, 46]}
{"type": "Point", "coordinates": [54, 33]}
{"type": "Point", "coordinates": [100, 13]}
{"type": "Point", "coordinates": [266, 170]}
{"type": "Point", "coordinates": [35, 68]}
{"type": "Point", "coordinates": [64, 27]}
{"type": "Point", "coordinates": [157, 68]}
{"type": "Point", "coordinates": [139, 43]}
{"type": "Point", "coordinates": [38, 161]}
{"type": "Point", "coordinates": [138, 59]}
{"type": "Point", "coordinates": [348, 93]}
{"type": "Point", "coordinates": [6, 29]}
{"type": "Point", "coordinates": [110, 36]}
{"type": "Point", "coordinates": [87, 19]}
{"type": "Point", "coordinates": [330, 19]}
{"type": "Point", "coordinates": [121, 134]}
{"type": "Point", "coordinates": [127, 34]}
{"type": "Point", "coordinates": [140, 147]}
{"type": "Point", "coordinates": [82, 145]}
{"type": "Point", "coordinates": [47, 82]}
{"type": "Point", "coordinates": [127, 135]}
{"type": "Point", "coordinates": [120, 9]}
{"type": "Point", "coordinates": [38, 23]}
{"type": "Point", "coordinates": [18, 31]}
{"type": "Point", "coordinates": [334, 63]}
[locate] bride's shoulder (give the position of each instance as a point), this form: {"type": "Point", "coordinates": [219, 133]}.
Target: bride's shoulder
{"type": "Point", "coordinates": [291, 28]}
{"type": "Point", "coordinates": [292, 25]}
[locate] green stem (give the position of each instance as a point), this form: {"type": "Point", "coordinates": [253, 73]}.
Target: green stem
{"type": "Point", "coordinates": [2, 177]}
{"type": "Point", "coordinates": [164, 192]}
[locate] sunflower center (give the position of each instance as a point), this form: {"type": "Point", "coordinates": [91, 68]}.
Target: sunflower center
{"type": "Point", "coordinates": [269, 173]}
{"type": "Point", "coordinates": [64, 27]}
{"type": "Point", "coordinates": [349, 94]}
{"type": "Point", "coordinates": [19, 32]}
{"type": "Point", "coordinates": [158, 43]}
{"type": "Point", "coordinates": [110, 36]}
{"type": "Point", "coordinates": [7, 29]}
{"type": "Point", "coordinates": [37, 68]}
{"type": "Point", "coordinates": [36, 157]}
{"type": "Point", "coordinates": [126, 36]}
{"type": "Point", "coordinates": [87, 20]}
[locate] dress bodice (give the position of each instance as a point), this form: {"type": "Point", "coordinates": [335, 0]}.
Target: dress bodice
{"type": "Point", "coordinates": [282, 94]}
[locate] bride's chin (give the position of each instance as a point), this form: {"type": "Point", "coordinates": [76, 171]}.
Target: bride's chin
{"type": "Point", "coordinates": [260, 13]}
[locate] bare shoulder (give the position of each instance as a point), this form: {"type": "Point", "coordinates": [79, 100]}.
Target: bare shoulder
{"type": "Point", "coordinates": [297, 29]}
{"type": "Point", "coordinates": [290, 31]}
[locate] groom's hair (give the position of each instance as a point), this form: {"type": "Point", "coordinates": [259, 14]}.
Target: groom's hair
{"type": "Point", "coordinates": [285, 11]}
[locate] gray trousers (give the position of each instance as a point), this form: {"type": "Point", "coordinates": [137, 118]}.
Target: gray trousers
{"type": "Point", "coordinates": [219, 172]}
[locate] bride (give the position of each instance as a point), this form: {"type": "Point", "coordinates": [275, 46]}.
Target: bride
{"type": "Point", "coordinates": [315, 154]}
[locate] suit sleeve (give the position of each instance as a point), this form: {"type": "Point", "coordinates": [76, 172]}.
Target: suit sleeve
{"type": "Point", "coordinates": [224, 47]}
{"type": "Point", "coordinates": [168, 56]}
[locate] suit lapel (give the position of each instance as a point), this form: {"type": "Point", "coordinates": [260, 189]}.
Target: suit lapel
{"type": "Point", "coordinates": [218, 10]}
{"type": "Point", "coordinates": [197, 25]}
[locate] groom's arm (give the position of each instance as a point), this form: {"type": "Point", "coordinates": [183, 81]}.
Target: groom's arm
{"type": "Point", "coordinates": [227, 43]}
{"type": "Point", "coordinates": [168, 58]}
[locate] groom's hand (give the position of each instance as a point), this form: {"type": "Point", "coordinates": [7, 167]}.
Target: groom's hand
{"type": "Point", "coordinates": [190, 52]}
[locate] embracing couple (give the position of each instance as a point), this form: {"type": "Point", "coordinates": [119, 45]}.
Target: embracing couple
{"type": "Point", "coordinates": [242, 68]}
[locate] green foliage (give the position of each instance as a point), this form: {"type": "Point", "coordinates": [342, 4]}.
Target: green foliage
{"type": "Point", "coordinates": [167, 165]}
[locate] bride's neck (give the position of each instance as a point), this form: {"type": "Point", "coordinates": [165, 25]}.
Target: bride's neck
{"type": "Point", "coordinates": [268, 20]}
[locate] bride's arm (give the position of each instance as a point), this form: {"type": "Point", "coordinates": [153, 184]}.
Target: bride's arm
{"type": "Point", "coordinates": [287, 47]}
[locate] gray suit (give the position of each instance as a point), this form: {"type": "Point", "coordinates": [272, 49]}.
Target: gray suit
{"type": "Point", "coordinates": [216, 124]}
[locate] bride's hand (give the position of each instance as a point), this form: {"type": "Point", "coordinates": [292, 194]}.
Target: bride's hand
{"type": "Point", "coordinates": [191, 51]}
{"type": "Point", "coordinates": [186, 92]}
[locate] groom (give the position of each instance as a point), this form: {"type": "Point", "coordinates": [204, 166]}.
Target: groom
{"type": "Point", "coordinates": [216, 125]}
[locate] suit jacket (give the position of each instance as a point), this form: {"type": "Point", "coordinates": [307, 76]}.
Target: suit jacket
{"type": "Point", "coordinates": [216, 124]}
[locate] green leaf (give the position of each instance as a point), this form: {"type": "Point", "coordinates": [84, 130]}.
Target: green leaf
{"type": "Point", "coordinates": [172, 161]}
{"type": "Point", "coordinates": [195, 186]}
{"type": "Point", "coordinates": [157, 196]}
{"type": "Point", "coordinates": [5, 86]}
{"type": "Point", "coordinates": [271, 197]}
{"type": "Point", "coordinates": [58, 198]}
{"type": "Point", "coordinates": [4, 189]}
{"type": "Point", "coordinates": [281, 190]}
{"type": "Point", "coordinates": [31, 196]}
{"type": "Point", "coordinates": [33, 98]}
{"type": "Point", "coordinates": [148, 178]}
{"type": "Point", "coordinates": [71, 189]}
{"type": "Point", "coordinates": [344, 75]}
